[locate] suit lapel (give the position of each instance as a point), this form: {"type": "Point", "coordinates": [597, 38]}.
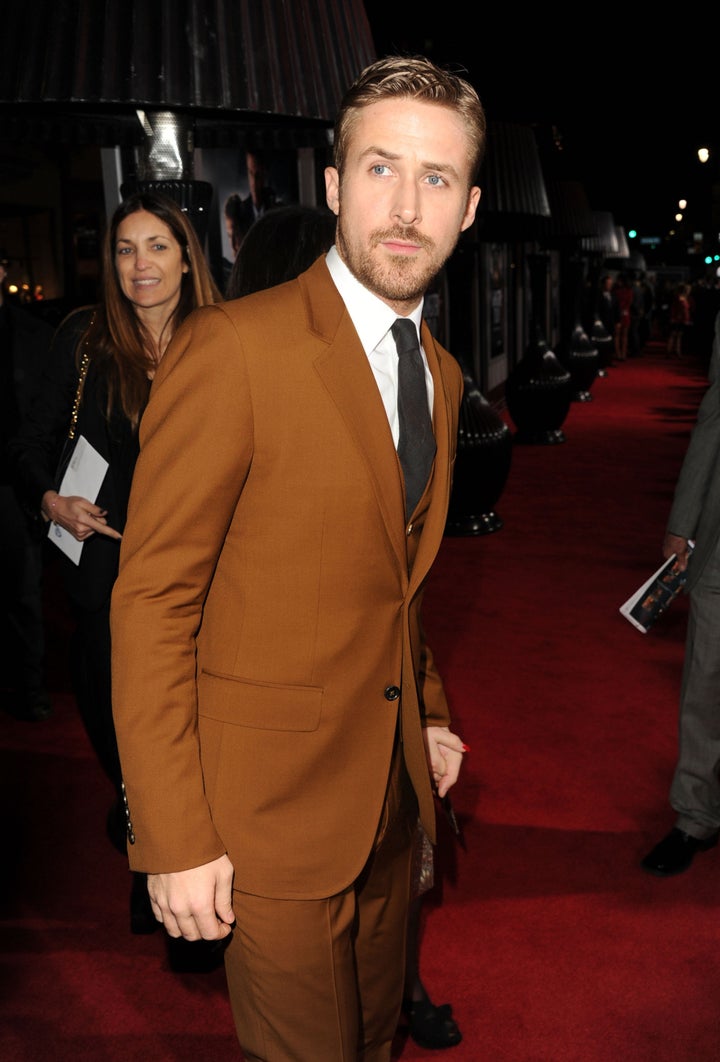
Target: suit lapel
{"type": "Point", "coordinates": [346, 373]}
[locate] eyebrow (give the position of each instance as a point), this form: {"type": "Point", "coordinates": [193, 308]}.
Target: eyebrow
{"type": "Point", "coordinates": [146, 239]}
{"type": "Point", "coordinates": [393, 156]}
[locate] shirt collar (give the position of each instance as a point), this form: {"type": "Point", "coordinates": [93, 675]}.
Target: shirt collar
{"type": "Point", "coordinates": [371, 317]}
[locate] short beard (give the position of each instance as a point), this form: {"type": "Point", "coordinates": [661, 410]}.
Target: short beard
{"type": "Point", "coordinates": [398, 280]}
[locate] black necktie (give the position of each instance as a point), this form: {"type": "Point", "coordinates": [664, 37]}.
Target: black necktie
{"type": "Point", "coordinates": [416, 443]}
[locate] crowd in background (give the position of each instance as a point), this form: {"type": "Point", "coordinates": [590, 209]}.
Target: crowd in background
{"type": "Point", "coordinates": [636, 307]}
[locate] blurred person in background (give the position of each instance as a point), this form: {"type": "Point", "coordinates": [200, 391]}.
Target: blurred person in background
{"type": "Point", "coordinates": [695, 517]}
{"type": "Point", "coordinates": [624, 294]}
{"type": "Point", "coordinates": [607, 308]}
{"type": "Point", "coordinates": [24, 350]}
{"type": "Point", "coordinates": [680, 320]}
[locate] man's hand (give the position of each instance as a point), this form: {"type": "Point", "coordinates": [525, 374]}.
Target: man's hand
{"type": "Point", "coordinates": [444, 752]}
{"type": "Point", "coordinates": [195, 904]}
{"type": "Point", "coordinates": [678, 545]}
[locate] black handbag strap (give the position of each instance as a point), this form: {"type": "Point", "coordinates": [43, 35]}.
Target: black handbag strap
{"type": "Point", "coordinates": [84, 362]}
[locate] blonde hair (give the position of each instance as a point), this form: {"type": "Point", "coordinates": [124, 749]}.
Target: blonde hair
{"type": "Point", "coordinates": [413, 77]}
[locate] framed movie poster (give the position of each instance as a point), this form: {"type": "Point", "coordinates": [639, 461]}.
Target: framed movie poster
{"type": "Point", "coordinates": [246, 182]}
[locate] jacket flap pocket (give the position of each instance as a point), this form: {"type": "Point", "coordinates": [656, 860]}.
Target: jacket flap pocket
{"type": "Point", "coordinates": [264, 706]}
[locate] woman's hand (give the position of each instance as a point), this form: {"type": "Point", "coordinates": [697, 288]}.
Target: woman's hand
{"type": "Point", "coordinates": [78, 516]}
{"type": "Point", "coordinates": [444, 751]}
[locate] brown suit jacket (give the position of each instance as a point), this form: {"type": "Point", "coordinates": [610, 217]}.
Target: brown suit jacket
{"type": "Point", "coordinates": [266, 626]}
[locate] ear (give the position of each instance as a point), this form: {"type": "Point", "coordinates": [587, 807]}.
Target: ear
{"type": "Point", "coordinates": [470, 209]}
{"type": "Point", "coordinates": [332, 189]}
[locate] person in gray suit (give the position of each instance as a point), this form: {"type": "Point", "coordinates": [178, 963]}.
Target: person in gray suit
{"type": "Point", "coordinates": [695, 515]}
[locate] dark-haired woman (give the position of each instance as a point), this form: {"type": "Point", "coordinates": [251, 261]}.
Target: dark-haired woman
{"type": "Point", "coordinates": [102, 364]}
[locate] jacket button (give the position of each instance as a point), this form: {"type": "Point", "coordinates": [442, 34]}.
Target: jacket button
{"type": "Point", "coordinates": [392, 693]}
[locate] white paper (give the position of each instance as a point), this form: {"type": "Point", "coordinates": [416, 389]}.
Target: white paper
{"type": "Point", "coordinates": [651, 599]}
{"type": "Point", "coordinates": [83, 478]}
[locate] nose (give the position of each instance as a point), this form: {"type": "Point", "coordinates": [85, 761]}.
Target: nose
{"type": "Point", "coordinates": [406, 204]}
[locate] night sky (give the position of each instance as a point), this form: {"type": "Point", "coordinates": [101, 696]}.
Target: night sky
{"type": "Point", "coordinates": [632, 98]}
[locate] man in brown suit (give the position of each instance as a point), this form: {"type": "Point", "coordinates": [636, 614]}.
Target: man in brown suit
{"type": "Point", "coordinates": [279, 715]}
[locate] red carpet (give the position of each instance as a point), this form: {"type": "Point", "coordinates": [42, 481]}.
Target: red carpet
{"type": "Point", "coordinates": [549, 941]}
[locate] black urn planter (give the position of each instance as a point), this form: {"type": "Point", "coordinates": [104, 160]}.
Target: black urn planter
{"type": "Point", "coordinates": [582, 360]}
{"type": "Point", "coordinates": [605, 344]}
{"type": "Point", "coordinates": [482, 465]}
{"type": "Point", "coordinates": [538, 393]}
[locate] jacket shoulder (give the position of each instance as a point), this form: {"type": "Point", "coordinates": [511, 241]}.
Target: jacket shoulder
{"type": "Point", "coordinates": [310, 300]}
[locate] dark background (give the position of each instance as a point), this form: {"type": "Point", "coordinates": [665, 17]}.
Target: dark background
{"type": "Point", "coordinates": [632, 93]}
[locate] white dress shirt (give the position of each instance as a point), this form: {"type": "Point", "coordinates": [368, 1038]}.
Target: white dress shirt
{"type": "Point", "coordinates": [373, 319]}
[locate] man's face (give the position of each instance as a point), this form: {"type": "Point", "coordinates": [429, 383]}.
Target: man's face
{"type": "Point", "coordinates": [256, 178]}
{"type": "Point", "coordinates": [404, 198]}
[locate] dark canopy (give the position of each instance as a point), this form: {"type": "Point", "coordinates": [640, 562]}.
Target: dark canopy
{"type": "Point", "coordinates": [96, 61]}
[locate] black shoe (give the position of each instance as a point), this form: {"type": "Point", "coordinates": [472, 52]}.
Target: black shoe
{"type": "Point", "coordinates": [37, 708]}
{"type": "Point", "coordinates": [431, 1027]}
{"type": "Point", "coordinates": [675, 853]}
{"type": "Point", "coordinates": [142, 919]}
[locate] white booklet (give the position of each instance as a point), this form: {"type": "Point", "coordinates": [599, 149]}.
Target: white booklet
{"type": "Point", "coordinates": [83, 477]}
{"type": "Point", "coordinates": [650, 600]}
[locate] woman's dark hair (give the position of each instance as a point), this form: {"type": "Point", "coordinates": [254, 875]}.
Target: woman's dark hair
{"type": "Point", "coordinates": [282, 243]}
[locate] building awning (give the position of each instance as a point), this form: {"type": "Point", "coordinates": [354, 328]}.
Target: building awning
{"type": "Point", "coordinates": [605, 241]}
{"type": "Point", "coordinates": [572, 218]}
{"type": "Point", "coordinates": [514, 202]}
{"type": "Point", "coordinates": [623, 250]}
{"type": "Point", "coordinates": [232, 61]}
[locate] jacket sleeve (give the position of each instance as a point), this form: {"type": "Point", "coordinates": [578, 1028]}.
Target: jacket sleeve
{"type": "Point", "coordinates": [433, 702]}
{"type": "Point", "coordinates": [195, 449]}
{"type": "Point", "coordinates": [697, 474]}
